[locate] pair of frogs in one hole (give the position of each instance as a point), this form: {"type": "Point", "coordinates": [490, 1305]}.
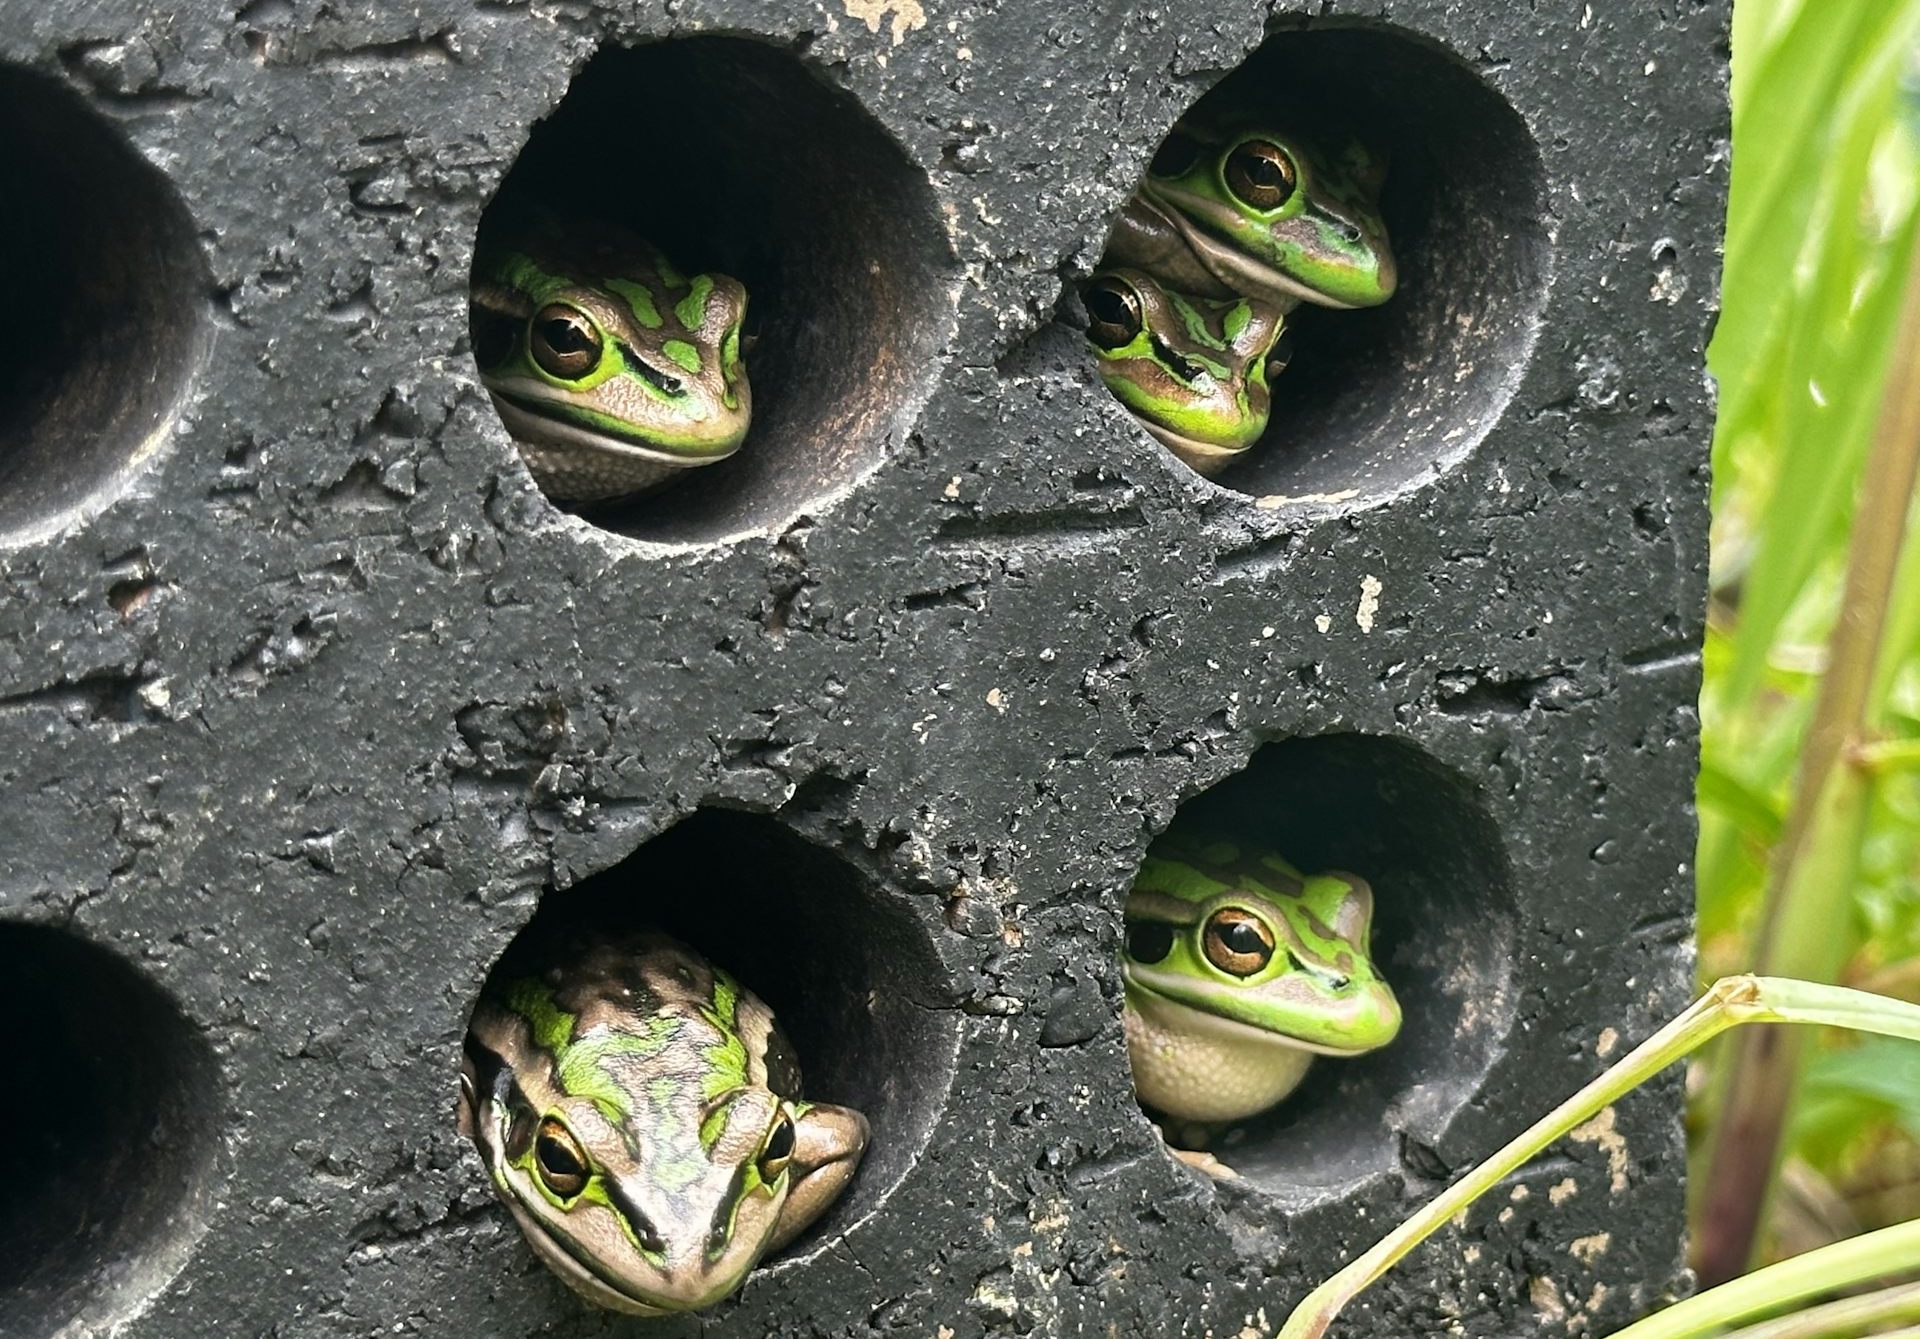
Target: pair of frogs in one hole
{"type": "Point", "coordinates": [640, 1113]}
{"type": "Point", "coordinates": [616, 372]}
{"type": "Point", "coordinates": [1236, 225]}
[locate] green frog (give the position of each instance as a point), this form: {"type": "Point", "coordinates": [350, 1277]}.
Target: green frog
{"type": "Point", "coordinates": [1248, 211]}
{"type": "Point", "coordinates": [613, 371]}
{"type": "Point", "coordinates": [1239, 970]}
{"type": "Point", "coordinates": [640, 1113]}
{"type": "Point", "coordinates": [1229, 214]}
{"type": "Point", "coordinates": [1195, 370]}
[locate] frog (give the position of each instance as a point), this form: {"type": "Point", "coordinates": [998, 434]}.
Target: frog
{"type": "Point", "coordinates": [638, 1110]}
{"type": "Point", "coordinates": [1231, 208]}
{"type": "Point", "coordinates": [1238, 971]}
{"type": "Point", "coordinates": [614, 372]}
{"type": "Point", "coordinates": [1194, 371]}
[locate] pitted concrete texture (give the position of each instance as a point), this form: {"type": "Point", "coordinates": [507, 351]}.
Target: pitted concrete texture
{"type": "Point", "coordinates": [309, 698]}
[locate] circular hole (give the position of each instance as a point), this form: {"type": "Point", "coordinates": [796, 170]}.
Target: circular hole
{"type": "Point", "coordinates": [1443, 934]}
{"type": "Point", "coordinates": [1374, 400]}
{"type": "Point", "coordinates": [849, 972]}
{"type": "Point", "coordinates": [108, 309]}
{"type": "Point", "coordinates": [106, 1142]}
{"type": "Point", "coordinates": [792, 188]}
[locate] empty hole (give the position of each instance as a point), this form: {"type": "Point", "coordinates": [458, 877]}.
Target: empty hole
{"type": "Point", "coordinates": [1375, 400]}
{"type": "Point", "coordinates": [108, 316]}
{"type": "Point", "coordinates": [804, 198]}
{"type": "Point", "coordinates": [849, 971]}
{"type": "Point", "coordinates": [1443, 934]}
{"type": "Point", "coordinates": [106, 1142]}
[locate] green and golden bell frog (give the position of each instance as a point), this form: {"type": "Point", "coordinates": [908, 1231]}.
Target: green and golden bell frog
{"type": "Point", "coordinates": [613, 371]}
{"type": "Point", "coordinates": [640, 1114]}
{"type": "Point", "coordinates": [1239, 970]}
{"type": "Point", "coordinates": [1195, 371]}
{"type": "Point", "coordinates": [1249, 211]}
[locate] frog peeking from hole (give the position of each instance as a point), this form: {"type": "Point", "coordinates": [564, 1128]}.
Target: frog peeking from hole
{"type": "Point", "coordinates": [639, 1112]}
{"type": "Point", "coordinates": [1236, 224]}
{"type": "Point", "coordinates": [615, 372]}
{"type": "Point", "coordinates": [1239, 971]}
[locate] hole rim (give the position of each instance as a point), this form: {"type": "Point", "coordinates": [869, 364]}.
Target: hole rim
{"type": "Point", "coordinates": [1314, 470]}
{"type": "Point", "coordinates": [1470, 964]}
{"type": "Point", "coordinates": [179, 1109]}
{"type": "Point", "coordinates": [808, 450]}
{"type": "Point", "coordinates": [132, 280]}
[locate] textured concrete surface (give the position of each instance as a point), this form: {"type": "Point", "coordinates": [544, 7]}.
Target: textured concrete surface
{"type": "Point", "coordinates": [308, 697]}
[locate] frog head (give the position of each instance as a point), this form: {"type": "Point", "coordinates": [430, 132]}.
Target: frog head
{"type": "Point", "coordinates": [1235, 939]}
{"type": "Point", "coordinates": [1253, 210]}
{"type": "Point", "coordinates": [627, 1113]}
{"type": "Point", "coordinates": [1194, 371]}
{"type": "Point", "coordinates": [612, 370]}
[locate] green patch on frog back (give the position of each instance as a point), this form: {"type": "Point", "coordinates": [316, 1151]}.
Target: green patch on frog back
{"type": "Point", "coordinates": [639, 300]}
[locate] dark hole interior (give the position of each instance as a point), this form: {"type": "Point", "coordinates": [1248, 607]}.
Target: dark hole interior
{"type": "Point", "coordinates": [108, 307]}
{"type": "Point", "coordinates": [788, 185]}
{"type": "Point", "coordinates": [1375, 400]}
{"type": "Point", "coordinates": [848, 971]}
{"type": "Point", "coordinates": [106, 1141]}
{"type": "Point", "coordinates": [1443, 935]}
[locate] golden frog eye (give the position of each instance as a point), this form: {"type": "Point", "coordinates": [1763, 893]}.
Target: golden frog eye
{"type": "Point", "coordinates": [1113, 311]}
{"type": "Point", "coordinates": [565, 343]}
{"type": "Point", "coordinates": [559, 1160]}
{"type": "Point", "coordinates": [1262, 174]}
{"type": "Point", "coordinates": [1149, 941]}
{"type": "Point", "coordinates": [778, 1153]}
{"type": "Point", "coordinates": [1238, 942]}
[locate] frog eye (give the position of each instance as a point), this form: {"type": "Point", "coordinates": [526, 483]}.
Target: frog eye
{"type": "Point", "coordinates": [1262, 174]}
{"type": "Point", "coordinates": [778, 1153]}
{"type": "Point", "coordinates": [1114, 311]}
{"type": "Point", "coordinates": [565, 343]}
{"type": "Point", "coordinates": [559, 1160]}
{"type": "Point", "coordinates": [1149, 941]}
{"type": "Point", "coordinates": [1238, 942]}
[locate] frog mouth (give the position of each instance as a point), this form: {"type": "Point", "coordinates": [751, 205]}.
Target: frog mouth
{"type": "Point", "coordinates": [558, 1254]}
{"type": "Point", "coordinates": [1232, 268]}
{"type": "Point", "coordinates": [546, 420]}
{"type": "Point", "coordinates": [1191, 1017]}
{"type": "Point", "coordinates": [1207, 457]}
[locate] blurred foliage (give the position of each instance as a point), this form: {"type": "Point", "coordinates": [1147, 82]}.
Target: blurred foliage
{"type": "Point", "coordinates": [1825, 182]}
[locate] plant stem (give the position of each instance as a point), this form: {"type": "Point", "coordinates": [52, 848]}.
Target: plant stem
{"type": "Point", "coordinates": [1849, 1315]}
{"type": "Point", "coordinates": [1727, 1003]}
{"type": "Point", "coordinates": [1809, 895]}
{"type": "Point", "coordinates": [1844, 1264]}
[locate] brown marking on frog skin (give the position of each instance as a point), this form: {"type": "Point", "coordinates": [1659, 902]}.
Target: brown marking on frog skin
{"type": "Point", "coordinates": [1240, 872]}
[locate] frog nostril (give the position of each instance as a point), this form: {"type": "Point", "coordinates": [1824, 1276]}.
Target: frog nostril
{"type": "Point", "coordinates": [645, 1234]}
{"type": "Point", "coordinates": [664, 382]}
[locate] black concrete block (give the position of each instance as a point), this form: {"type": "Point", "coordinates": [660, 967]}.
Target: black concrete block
{"type": "Point", "coordinates": [309, 698]}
